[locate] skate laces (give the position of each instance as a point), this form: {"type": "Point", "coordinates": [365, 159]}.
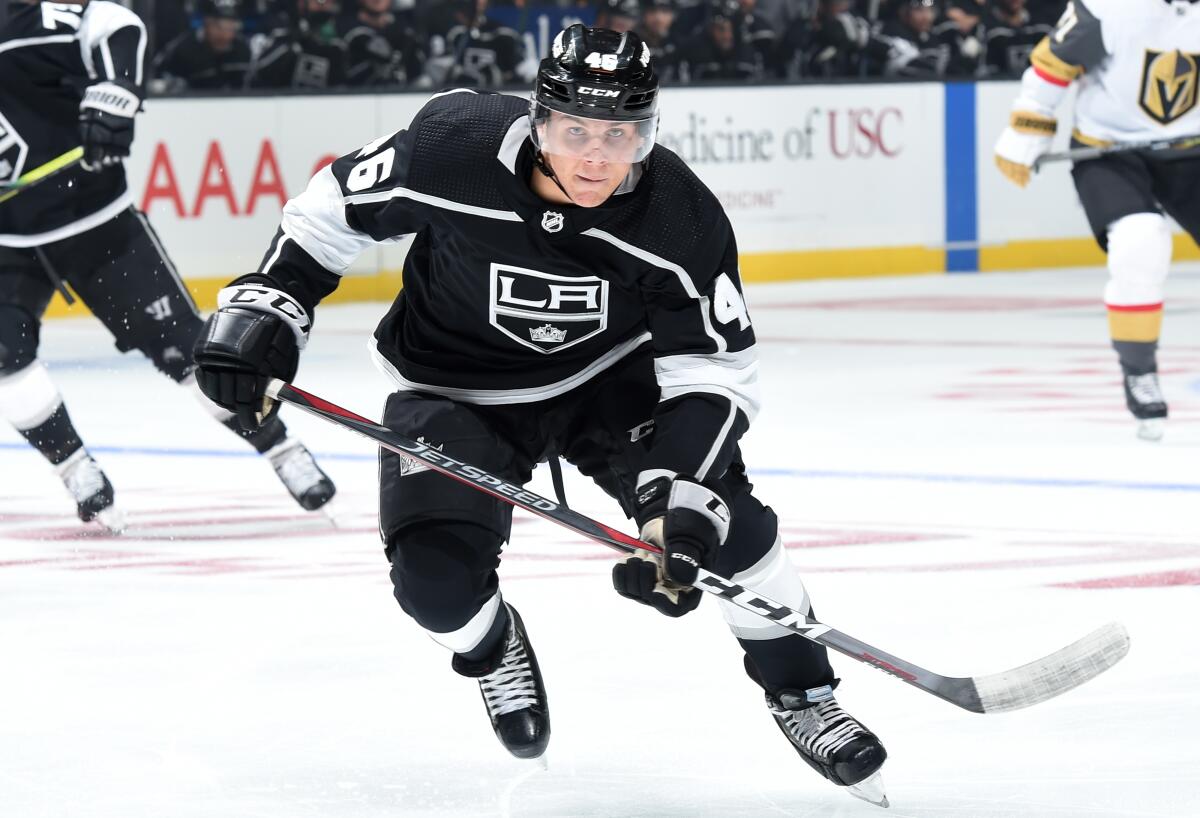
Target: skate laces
{"type": "Point", "coordinates": [511, 686]}
{"type": "Point", "coordinates": [84, 479]}
{"type": "Point", "coordinates": [822, 729]}
{"type": "Point", "coordinates": [1145, 388]}
{"type": "Point", "coordinates": [296, 467]}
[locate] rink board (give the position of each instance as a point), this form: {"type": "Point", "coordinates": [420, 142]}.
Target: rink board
{"type": "Point", "coordinates": [820, 181]}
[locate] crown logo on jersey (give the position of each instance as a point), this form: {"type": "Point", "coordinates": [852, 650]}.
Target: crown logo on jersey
{"type": "Point", "coordinates": [552, 221]}
{"type": "Point", "coordinates": [548, 334]}
{"type": "Point", "coordinates": [1169, 80]}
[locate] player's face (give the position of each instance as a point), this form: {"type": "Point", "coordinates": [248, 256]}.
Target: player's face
{"type": "Point", "coordinates": [590, 157]}
{"type": "Point", "coordinates": [220, 33]}
{"type": "Point", "coordinates": [658, 20]}
{"type": "Point", "coordinates": [920, 18]}
{"type": "Point", "coordinates": [620, 23]}
{"type": "Point", "coordinates": [722, 34]}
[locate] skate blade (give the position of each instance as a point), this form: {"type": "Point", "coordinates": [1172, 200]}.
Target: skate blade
{"type": "Point", "coordinates": [332, 511]}
{"type": "Point", "coordinates": [1151, 428]}
{"type": "Point", "coordinates": [111, 519]}
{"type": "Point", "coordinates": [870, 789]}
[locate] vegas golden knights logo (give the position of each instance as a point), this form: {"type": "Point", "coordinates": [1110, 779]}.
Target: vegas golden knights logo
{"type": "Point", "coordinates": [1168, 84]}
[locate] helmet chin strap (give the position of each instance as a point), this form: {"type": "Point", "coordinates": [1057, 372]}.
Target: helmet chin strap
{"type": "Point", "coordinates": [544, 167]}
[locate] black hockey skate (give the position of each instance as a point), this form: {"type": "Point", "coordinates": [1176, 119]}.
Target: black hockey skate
{"type": "Point", "coordinates": [511, 685]}
{"type": "Point", "coordinates": [831, 741]}
{"type": "Point", "coordinates": [92, 492]}
{"type": "Point", "coordinates": [1145, 400]}
{"type": "Point", "coordinates": [300, 474]}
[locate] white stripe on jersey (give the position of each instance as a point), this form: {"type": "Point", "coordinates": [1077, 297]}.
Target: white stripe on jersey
{"type": "Point", "coordinates": [102, 19]}
{"type": "Point", "coordinates": [49, 40]}
{"type": "Point", "coordinates": [685, 280]}
{"type": "Point", "coordinates": [73, 229]}
{"type": "Point", "coordinates": [496, 397]}
{"type": "Point", "coordinates": [731, 375]}
{"type": "Point", "coordinates": [434, 201]}
{"type": "Point", "coordinates": [316, 221]}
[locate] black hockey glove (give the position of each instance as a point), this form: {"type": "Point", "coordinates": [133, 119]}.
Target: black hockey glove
{"type": "Point", "coordinates": [256, 335]}
{"type": "Point", "coordinates": [106, 124]}
{"type": "Point", "coordinates": [690, 522]}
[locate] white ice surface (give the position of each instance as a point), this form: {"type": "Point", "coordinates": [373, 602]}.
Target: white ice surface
{"type": "Point", "coordinates": [957, 479]}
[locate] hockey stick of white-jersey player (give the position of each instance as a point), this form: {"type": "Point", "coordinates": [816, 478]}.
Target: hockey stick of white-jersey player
{"type": "Point", "coordinates": [1011, 690]}
{"type": "Point", "coordinates": [1096, 151]}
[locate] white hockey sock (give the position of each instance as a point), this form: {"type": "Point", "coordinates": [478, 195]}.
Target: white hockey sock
{"type": "Point", "coordinates": [772, 576]}
{"type": "Point", "coordinates": [469, 635]}
{"type": "Point", "coordinates": [28, 397]}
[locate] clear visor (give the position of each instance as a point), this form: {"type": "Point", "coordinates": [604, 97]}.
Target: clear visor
{"type": "Point", "coordinates": [623, 141]}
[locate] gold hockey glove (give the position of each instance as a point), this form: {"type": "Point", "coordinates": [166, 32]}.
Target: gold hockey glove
{"type": "Point", "coordinates": [1027, 137]}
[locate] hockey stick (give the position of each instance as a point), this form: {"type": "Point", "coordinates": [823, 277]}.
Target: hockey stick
{"type": "Point", "coordinates": [42, 173]}
{"type": "Point", "coordinates": [1011, 690]}
{"type": "Point", "coordinates": [1096, 151]}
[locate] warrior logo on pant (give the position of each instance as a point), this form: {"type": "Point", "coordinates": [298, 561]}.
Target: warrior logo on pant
{"type": "Point", "coordinates": [1168, 85]}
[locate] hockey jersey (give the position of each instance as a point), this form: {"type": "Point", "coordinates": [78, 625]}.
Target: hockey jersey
{"type": "Point", "coordinates": [510, 299]}
{"type": "Point", "coordinates": [189, 62]}
{"type": "Point", "coordinates": [1137, 65]}
{"type": "Point", "coordinates": [49, 53]}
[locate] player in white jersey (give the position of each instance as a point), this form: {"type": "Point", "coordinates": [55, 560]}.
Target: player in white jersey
{"type": "Point", "coordinates": [1136, 64]}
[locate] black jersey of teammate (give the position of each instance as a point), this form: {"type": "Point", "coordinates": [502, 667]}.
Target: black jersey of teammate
{"type": "Point", "coordinates": [189, 62]}
{"type": "Point", "coordinates": [389, 55]}
{"type": "Point", "coordinates": [484, 54]}
{"type": "Point", "coordinates": [510, 299]}
{"type": "Point", "coordinates": [1009, 44]}
{"type": "Point", "coordinates": [301, 57]}
{"type": "Point", "coordinates": [49, 53]}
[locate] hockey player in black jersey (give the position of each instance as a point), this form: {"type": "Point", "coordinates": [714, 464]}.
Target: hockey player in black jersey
{"type": "Point", "coordinates": [572, 291]}
{"type": "Point", "coordinates": [72, 74]}
{"type": "Point", "coordinates": [214, 57]}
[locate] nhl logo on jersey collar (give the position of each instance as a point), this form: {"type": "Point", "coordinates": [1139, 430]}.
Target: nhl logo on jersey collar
{"type": "Point", "coordinates": [552, 221]}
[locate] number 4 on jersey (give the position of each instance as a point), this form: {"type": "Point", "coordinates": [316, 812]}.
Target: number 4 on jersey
{"type": "Point", "coordinates": [728, 304]}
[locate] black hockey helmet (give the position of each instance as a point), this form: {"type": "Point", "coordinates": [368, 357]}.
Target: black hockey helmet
{"type": "Point", "coordinates": [597, 74]}
{"type": "Point", "coordinates": [724, 10]}
{"type": "Point", "coordinates": [619, 8]}
{"type": "Point", "coordinates": [225, 9]}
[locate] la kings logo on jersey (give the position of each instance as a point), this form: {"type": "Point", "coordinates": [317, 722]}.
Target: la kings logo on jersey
{"type": "Point", "coordinates": [1169, 81]}
{"type": "Point", "coordinates": [13, 150]}
{"type": "Point", "coordinates": [544, 311]}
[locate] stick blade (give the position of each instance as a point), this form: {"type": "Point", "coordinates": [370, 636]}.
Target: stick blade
{"type": "Point", "coordinates": [1063, 670]}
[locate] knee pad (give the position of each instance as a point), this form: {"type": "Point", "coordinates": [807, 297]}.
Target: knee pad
{"type": "Point", "coordinates": [444, 577]}
{"type": "Point", "coordinates": [753, 531]}
{"type": "Point", "coordinates": [19, 334]}
{"type": "Point", "coordinates": [1139, 258]}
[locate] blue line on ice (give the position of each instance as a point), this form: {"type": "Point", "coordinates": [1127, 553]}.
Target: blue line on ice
{"type": "Point", "coordinates": [805, 474]}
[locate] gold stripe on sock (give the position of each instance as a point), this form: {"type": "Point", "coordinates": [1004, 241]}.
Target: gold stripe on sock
{"type": "Point", "coordinates": [1140, 324]}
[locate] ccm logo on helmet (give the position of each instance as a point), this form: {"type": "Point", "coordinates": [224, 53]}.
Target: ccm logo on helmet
{"type": "Point", "coordinates": [599, 92]}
